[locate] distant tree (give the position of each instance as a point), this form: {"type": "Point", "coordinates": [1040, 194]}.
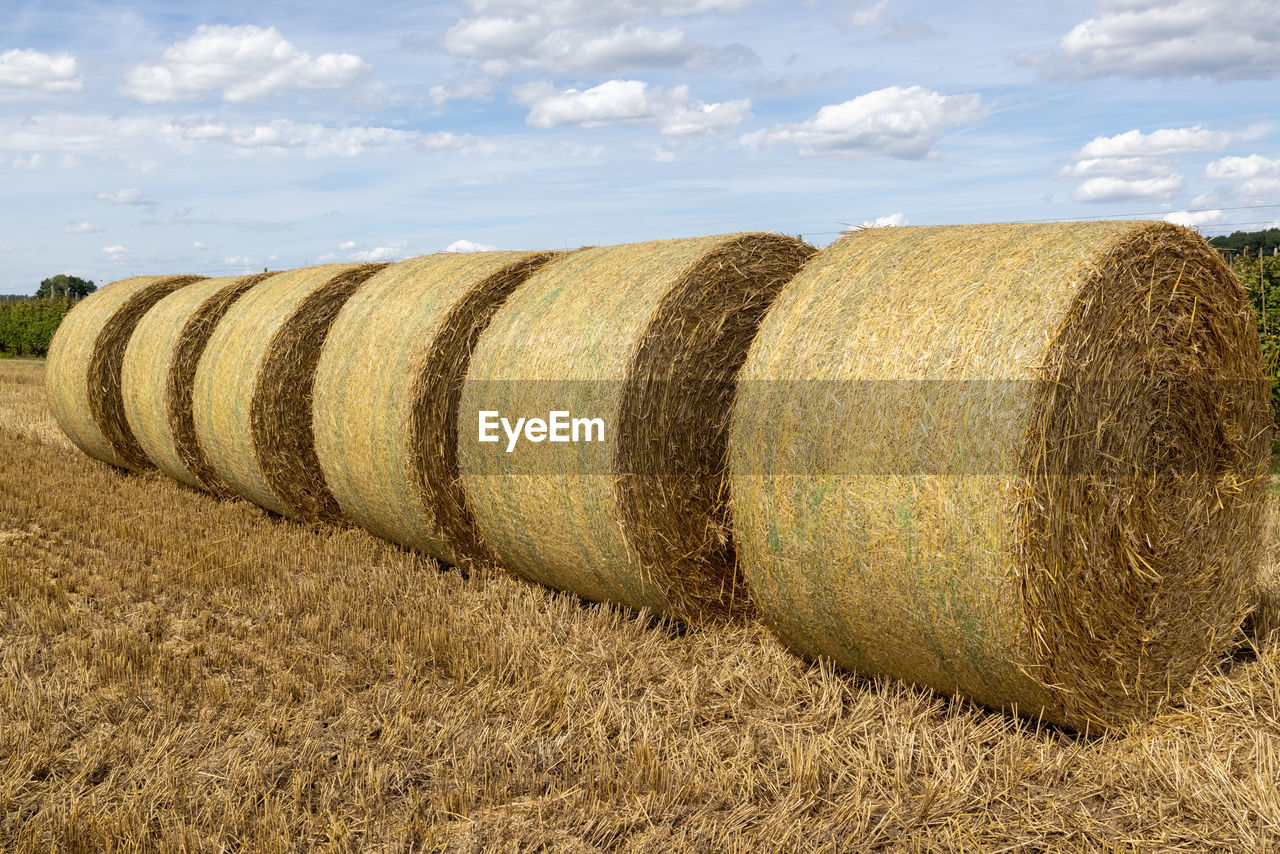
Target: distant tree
{"type": "Point", "coordinates": [63, 286]}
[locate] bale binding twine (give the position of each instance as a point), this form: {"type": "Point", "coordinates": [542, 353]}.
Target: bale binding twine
{"type": "Point", "coordinates": [1022, 463]}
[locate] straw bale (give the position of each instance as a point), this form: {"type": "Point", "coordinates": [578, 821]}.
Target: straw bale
{"type": "Point", "coordinates": [82, 374]}
{"type": "Point", "coordinates": [1024, 463]}
{"type": "Point", "coordinates": [647, 337]}
{"type": "Point", "coordinates": [387, 389]}
{"type": "Point", "coordinates": [251, 400]}
{"type": "Point", "coordinates": [159, 370]}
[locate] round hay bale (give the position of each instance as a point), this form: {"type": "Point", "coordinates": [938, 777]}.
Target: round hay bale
{"type": "Point", "coordinates": [82, 373]}
{"type": "Point", "coordinates": [647, 338]}
{"type": "Point", "coordinates": [159, 371]}
{"type": "Point", "coordinates": [387, 389]}
{"type": "Point", "coordinates": [251, 400]}
{"type": "Point", "coordinates": [1024, 463]}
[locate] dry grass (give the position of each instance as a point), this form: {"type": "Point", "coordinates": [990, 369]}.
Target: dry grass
{"type": "Point", "coordinates": [183, 673]}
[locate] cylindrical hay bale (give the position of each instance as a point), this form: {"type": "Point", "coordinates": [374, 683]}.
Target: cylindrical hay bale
{"type": "Point", "coordinates": [387, 390]}
{"type": "Point", "coordinates": [1024, 463]}
{"type": "Point", "coordinates": [82, 374]}
{"type": "Point", "coordinates": [644, 340]}
{"type": "Point", "coordinates": [251, 401]}
{"type": "Point", "coordinates": [159, 371]}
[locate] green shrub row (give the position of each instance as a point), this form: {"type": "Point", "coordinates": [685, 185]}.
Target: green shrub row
{"type": "Point", "coordinates": [27, 325]}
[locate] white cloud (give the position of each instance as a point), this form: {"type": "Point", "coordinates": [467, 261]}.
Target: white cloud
{"type": "Point", "coordinates": [869, 16]}
{"type": "Point", "coordinates": [246, 63]}
{"type": "Point", "coordinates": [347, 244]}
{"type": "Point", "coordinates": [469, 246]}
{"type": "Point", "coordinates": [47, 73]}
{"type": "Point", "coordinates": [239, 261]}
{"type": "Point", "coordinates": [895, 122]}
{"type": "Point", "coordinates": [1125, 189]}
{"type": "Point", "coordinates": [674, 111]}
{"type": "Point", "coordinates": [1223, 39]}
{"type": "Point", "coordinates": [580, 35]}
{"type": "Point", "coordinates": [505, 43]}
{"type": "Point", "coordinates": [200, 244]}
{"type": "Point", "coordinates": [480, 89]}
{"type": "Point", "coordinates": [127, 136]}
{"type": "Point", "coordinates": [888, 221]}
{"type": "Point", "coordinates": [1196, 218]}
{"type": "Point", "coordinates": [131, 196]}
{"type": "Point", "coordinates": [114, 251]}
{"type": "Point", "coordinates": [1135, 143]}
{"type": "Point", "coordinates": [380, 253]}
{"type": "Point", "coordinates": [84, 228]}
{"type": "Point", "coordinates": [1114, 167]}
{"type": "Point", "coordinates": [567, 12]}
{"type": "Point", "coordinates": [1253, 166]}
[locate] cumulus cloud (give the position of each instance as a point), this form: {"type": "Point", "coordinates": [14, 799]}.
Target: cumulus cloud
{"type": "Point", "coordinates": [245, 63]}
{"type": "Point", "coordinates": [887, 221]}
{"type": "Point", "coordinates": [114, 251]}
{"type": "Point", "coordinates": [503, 44]}
{"type": "Point", "coordinates": [469, 246]}
{"type": "Point", "coordinates": [1221, 39]}
{"type": "Point", "coordinates": [347, 244]}
{"type": "Point", "coordinates": [1114, 167]}
{"type": "Point", "coordinates": [1253, 166]}
{"type": "Point", "coordinates": [83, 228]}
{"type": "Point", "coordinates": [1196, 218]}
{"type": "Point", "coordinates": [1128, 189]}
{"type": "Point", "coordinates": [906, 123]}
{"type": "Point", "coordinates": [380, 253]}
{"type": "Point", "coordinates": [480, 89]}
{"type": "Point", "coordinates": [47, 73]}
{"type": "Point", "coordinates": [1135, 143]}
{"type": "Point", "coordinates": [674, 111]}
{"type": "Point", "coordinates": [583, 36]}
{"type": "Point", "coordinates": [126, 136]}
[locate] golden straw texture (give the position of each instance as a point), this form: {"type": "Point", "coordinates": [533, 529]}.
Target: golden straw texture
{"type": "Point", "coordinates": [251, 401]}
{"type": "Point", "coordinates": [648, 338]}
{"type": "Point", "coordinates": [1025, 463]}
{"type": "Point", "coordinates": [82, 375]}
{"type": "Point", "coordinates": [159, 370]}
{"type": "Point", "coordinates": [387, 389]}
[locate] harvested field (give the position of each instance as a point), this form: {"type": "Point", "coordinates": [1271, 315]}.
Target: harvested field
{"type": "Point", "coordinates": [183, 673]}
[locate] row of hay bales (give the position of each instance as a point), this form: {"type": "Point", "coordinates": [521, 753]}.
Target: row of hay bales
{"type": "Point", "coordinates": [1023, 463]}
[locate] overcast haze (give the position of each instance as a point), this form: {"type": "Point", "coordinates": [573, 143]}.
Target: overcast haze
{"type": "Point", "coordinates": [217, 138]}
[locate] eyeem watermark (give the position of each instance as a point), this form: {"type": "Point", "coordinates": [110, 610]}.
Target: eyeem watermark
{"type": "Point", "coordinates": [558, 426]}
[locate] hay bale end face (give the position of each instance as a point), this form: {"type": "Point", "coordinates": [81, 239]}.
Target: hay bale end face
{"type": "Point", "coordinates": [646, 339]}
{"type": "Point", "coordinates": [82, 374]}
{"type": "Point", "coordinates": [387, 389]}
{"type": "Point", "coordinates": [251, 400]}
{"type": "Point", "coordinates": [159, 372]}
{"type": "Point", "coordinates": [1024, 463]}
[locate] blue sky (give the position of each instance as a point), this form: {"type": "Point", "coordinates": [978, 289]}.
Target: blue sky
{"type": "Point", "coordinates": [216, 138]}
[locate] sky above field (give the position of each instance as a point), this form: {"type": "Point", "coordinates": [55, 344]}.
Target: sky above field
{"type": "Point", "coordinates": [217, 138]}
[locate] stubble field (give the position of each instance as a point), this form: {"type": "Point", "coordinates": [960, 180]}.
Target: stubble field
{"type": "Point", "coordinates": [183, 673]}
